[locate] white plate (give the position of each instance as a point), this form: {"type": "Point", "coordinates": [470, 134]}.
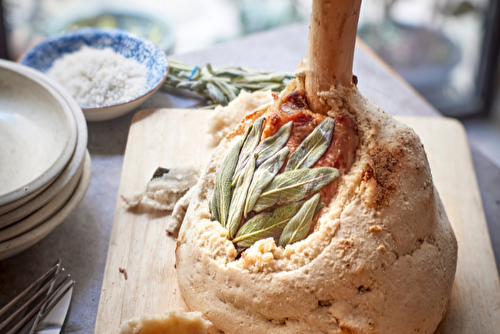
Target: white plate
{"type": "Point", "coordinates": [37, 131]}
{"type": "Point", "coordinates": [44, 212]}
{"type": "Point", "coordinates": [12, 214]}
{"type": "Point", "coordinates": [24, 241]}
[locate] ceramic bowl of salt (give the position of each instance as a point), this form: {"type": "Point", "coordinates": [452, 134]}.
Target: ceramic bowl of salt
{"type": "Point", "coordinates": [108, 72]}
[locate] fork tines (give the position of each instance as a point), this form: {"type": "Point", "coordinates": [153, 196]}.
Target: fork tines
{"type": "Point", "coordinates": [61, 289]}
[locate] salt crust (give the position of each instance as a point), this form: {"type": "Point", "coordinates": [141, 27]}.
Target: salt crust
{"type": "Point", "coordinates": [346, 277]}
{"type": "Point", "coordinates": [224, 119]}
{"type": "Point", "coordinates": [173, 321]}
{"type": "Point", "coordinates": [179, 212]}
{"type": "Point", "coordinates": [96, 77]}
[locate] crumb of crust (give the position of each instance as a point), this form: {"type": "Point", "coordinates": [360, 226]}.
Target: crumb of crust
{"type": "Point", "coordinates": [261, 256]}
{"type": "Point", "coordinates": [354, 80]}
{"type": "Point", "coordinates": [345, 328]}
{"type": "Point", "coordinates": [172, 321]}
{"type": "Point", "coordinates": [382, 249]}
{"type": "Point", "coordinates": [375, 229]}
{"type": "Point", "coordinates": [124, 272]}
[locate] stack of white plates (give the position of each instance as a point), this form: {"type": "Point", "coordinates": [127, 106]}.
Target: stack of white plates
{"type": "Point", "coordinates": [44, 164]}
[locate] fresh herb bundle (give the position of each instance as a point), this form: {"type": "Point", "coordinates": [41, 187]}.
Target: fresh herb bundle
{"type": "Point", "coordinates": [223, 85]}
{"type": "Point", "coordinates": [281, 206]}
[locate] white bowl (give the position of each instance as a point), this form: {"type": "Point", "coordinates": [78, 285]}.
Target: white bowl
{"type": "Point", "coordinates": [37, 132]}
{"type": "Point", "coordinates": [145, 52]}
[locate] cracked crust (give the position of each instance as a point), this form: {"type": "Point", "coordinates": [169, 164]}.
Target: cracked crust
{"type": "Point", "coordinates": [382, 257]}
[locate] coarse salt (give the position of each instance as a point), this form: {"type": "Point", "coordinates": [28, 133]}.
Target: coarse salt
{"type": "Point", "coordinates": [97, 77]}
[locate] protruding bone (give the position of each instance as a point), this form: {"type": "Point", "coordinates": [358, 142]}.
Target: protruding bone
{"type": "Point", "coordinates": [330, 49]}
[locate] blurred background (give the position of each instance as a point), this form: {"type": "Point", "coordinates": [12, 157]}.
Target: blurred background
{"type": "Point", "coordinates": [447, 49]}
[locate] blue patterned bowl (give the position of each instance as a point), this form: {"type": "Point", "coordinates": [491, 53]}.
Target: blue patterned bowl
{"type": "Point", "coordinates": [43, 55]}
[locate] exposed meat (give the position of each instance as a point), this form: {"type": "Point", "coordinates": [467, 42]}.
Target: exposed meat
{"type": "Point", "coordinates": [341, 153]}
{"type": "Point", "coordinates": [292, 107]}
{"type": "Point", "coordinates": [342, 150]}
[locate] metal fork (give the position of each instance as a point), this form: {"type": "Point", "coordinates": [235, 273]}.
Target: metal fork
{"type": "Point", "coordinates": [61, 289]}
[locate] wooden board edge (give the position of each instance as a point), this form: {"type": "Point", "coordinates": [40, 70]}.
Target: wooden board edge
{"type": "Point", "coordinates": [460, 130]}
{"type": "Point", "coordinates": [383, 64]}
{"type": "Point", "coordinates": [138, 116]}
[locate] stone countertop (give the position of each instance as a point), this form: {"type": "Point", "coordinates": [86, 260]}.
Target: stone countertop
{"type": "Point", "coordinates": [82, 239]}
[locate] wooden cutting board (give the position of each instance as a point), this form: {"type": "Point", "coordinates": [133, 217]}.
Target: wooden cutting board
{"type": "Point", "coordinates": [172, 137]}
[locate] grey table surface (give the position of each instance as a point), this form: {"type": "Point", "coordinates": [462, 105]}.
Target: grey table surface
{"type": "Point", "coordinates": [82, 239]}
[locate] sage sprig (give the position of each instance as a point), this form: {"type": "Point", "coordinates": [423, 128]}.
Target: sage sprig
{"type": "Point", "coordinates": [269, 146]}
{"type": "Point", "coordinates": [263, 176]}
{"type": "Point", "coordinates": [313, 147]}
{"type": "Point", "coordinates": [221, 198]}
{"type": "Point", "coordinates": [265, 225]}
{"type": "Point", "coordinates": [223, 85]}
{"type": "Point", "coordinates": [298, 227]}
{"type": "Point", "coordinates": [294, 186]}
{"type": "Point", "coordinates": [239, 196]}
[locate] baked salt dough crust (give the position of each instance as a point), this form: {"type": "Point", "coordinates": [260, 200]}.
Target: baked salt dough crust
{"type": "Point", "coordinates": [172, 321]}
{"type": "Point", "coordinates": [224, 119]}
{"type": "Point", "coordinates": [382, 258]}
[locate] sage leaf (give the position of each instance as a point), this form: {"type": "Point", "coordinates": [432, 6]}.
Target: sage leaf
{"type": "Point", "coordinates": [295, 185]}
{"type": "Point", "coordinates": [210, 70]}
{"type": "Point", "coordinates": [298, 227]}
{"type": "Point", "coordinates": [320, 206]}
{"type": "Point", "coordinates": [269, 146]}
{"type": "Point", "coordinates": [263, 176]}
{"type": "Point", "coordinates": [210, 204]}
{"type": "Point", "coordinates": [313, 147]}
{"type": "Point", "coordinates": [226, 90]}
{"type": "Point", "coordinates": [265, 225]}
{"type": "Point", "coordinates": [251, 143]}
{"type": "Point", "coordinates": [216, 95]}
{"type": "Point", "coordinates": [214, 211]}
{"type": "Point", "coordinates": [239, 196]}
{"type": "Point", "coordinates": [221, 199]}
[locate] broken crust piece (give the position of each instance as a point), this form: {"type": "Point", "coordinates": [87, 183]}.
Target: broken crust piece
{"type": "Point", "coordinates": [173, 321]}
{"type": "Point", "coordinates": [164, 191]}
{"type": "Point", "coordinates": [344, 277]}
{"type": "Point", "coordinates": [180, 208]}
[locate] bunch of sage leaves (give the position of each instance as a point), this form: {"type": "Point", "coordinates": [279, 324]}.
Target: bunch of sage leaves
{"type": "Point", "coordinates": [281, 205]}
